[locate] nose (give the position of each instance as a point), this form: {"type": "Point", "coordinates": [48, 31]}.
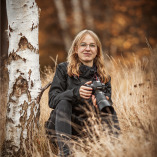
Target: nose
{"type": "Point", "coordinates": [87, 47]}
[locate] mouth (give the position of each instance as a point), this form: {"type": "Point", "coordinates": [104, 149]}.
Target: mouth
{"type": "Point", "coordinates": [87, 54]}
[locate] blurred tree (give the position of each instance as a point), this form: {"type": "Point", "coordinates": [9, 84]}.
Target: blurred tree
{"type": "Point", "coordinates": [121, 25]}
{"type": "Point", "coordinates": [63, 23]}
{"type": "Point", "coordinates": [88, 14]}
{"type": "Point", "coordinates": [77, 16]}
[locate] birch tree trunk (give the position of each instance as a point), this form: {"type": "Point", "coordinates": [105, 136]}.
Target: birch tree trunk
{"type": "Point", "coordinates": [24, 77]}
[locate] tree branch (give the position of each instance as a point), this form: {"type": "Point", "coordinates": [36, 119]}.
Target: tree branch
{"type": "Point", "coordinates": [42, 91]}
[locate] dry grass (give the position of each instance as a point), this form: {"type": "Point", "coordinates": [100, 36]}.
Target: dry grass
{"type": "Point", "coordinates": [134, 95]}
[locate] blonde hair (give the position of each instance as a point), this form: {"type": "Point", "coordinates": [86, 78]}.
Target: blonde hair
{"type": "Point", "coordinates": [73, 59]}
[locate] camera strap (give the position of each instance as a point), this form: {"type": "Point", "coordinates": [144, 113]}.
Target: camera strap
{"type": "Point", "coordinates": [96, 77]}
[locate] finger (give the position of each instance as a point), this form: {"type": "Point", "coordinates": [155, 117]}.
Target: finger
{"type": "Point", "coordinates": [86, 94]}
{"type": "Point", "coordinates": [87, 88]}
{"type": "Point", "coordinates": [85, 91]}
{"type": "Point", "coordinates": [93, 97]}
{"type": "Point", "coordinates": [85, 97]}
{"type": "Point", "coordinates": [107, 97]}
{"type": "Point", "coordinates": [89, 82]}
{"type": "Point", "coordinates": [94, 101]}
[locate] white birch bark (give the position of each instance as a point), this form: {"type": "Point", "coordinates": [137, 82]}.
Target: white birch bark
{"type": "Point", "coordinates": [63, 23]}
{"type": "Point", "coordinates": [24, 76]}
{"type": "Point", "coordinates": [77, 16]}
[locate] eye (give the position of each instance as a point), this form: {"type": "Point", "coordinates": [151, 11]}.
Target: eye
{"type": "Point", "coordinates": [92, 45]}
{"type": "Point", "coordinates": [83, 44]}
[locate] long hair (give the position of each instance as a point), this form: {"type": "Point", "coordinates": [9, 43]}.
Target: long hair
{"type": "Point", "coordinates": [73, 59]}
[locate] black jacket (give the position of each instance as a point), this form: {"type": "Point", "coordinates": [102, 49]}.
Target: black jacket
{"type": "Point", "coordinates": [65, 87]}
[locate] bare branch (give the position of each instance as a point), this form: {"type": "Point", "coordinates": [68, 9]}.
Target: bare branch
{"type": "Point", "coordinates": [42, 91]}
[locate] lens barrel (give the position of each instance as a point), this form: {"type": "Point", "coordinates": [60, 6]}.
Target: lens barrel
{"type": "Point", "coordinates": [103, 104]}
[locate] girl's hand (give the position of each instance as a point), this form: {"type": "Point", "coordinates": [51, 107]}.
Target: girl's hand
{"type": "Point", "coordinates": [85, 92]}
{"type": "Point", "coordinates": [94, 100]}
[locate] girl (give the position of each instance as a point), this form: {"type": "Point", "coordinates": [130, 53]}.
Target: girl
{"type": "Point", "coordinates": [68, 93]}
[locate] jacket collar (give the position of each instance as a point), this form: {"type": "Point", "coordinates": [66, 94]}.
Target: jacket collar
{"type": "Point", "coordinates": [86, 71]}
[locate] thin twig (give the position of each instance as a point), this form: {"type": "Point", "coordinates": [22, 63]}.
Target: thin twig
{"type": "Point", "coordinates": [149, 46]}
{"type": "Point", "coordinates": [42, 91]}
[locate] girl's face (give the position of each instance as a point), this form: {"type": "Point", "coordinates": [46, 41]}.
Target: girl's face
{"type": "Point", "coordinates": [87, 50]}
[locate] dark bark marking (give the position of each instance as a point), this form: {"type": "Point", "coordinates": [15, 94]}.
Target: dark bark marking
{"type": "Point", "coordinates": [32, 84]}
{"type": "Point", "coordinates": [8, 109]}
{"type": "Point", "coordinates": [31, 115]}
{"type": "Point", "coordinates": [23, 120]}
{"type": "Point", "coordinates": [9, 120]}
{"type": "Point", "coordinates": [29, 46]}
{"type": "Point", "coordinates": [11, 100]}
{"type": "Point", "coordinates": [37, 51]}
{"type": "Point", "coordinates": [20, 34]}
{"type": "Point", "coordinates": [14, 56]}
{"type": "Point", "coordinates": [20, 87]}
{"type": "Point", "coordinates": [36, 108]}
{"type": "Point", "coordinates": [21, 111]}
{"type": "Point", "coordinates": [10, 150]}
{"type": "Point", "coordinates": [18, 71]}
{"type": "Point", "coordinates": [24, 44]}
{"type": "Point", "coordinates": [25, 5]}
{"type": "Point", "coordinates": [29, 96]}
{"type": "Point", "coordinates": [30, 72]}
{"type": "Point", "coordinates": [24, 106]}
{"type": "Point", "coordinates": [18, 126]}
{"type": "Point", "coordinates": [33, 27]}
{"type": "Point", "coordinates": [32, 5]}
{"type": "Point", "coordinates": [10, 29]}
{"type": "Point", "coordinates": [30, 126]}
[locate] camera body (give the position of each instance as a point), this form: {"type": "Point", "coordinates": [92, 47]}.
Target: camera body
{"type": "Point", "coordinates": [103, 104]}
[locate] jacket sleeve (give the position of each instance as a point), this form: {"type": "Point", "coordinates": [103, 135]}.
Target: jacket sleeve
{"type": "Point", "coordinates": [58, 90]}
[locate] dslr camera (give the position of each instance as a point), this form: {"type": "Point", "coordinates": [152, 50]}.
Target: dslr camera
{"type": "Point", "coordinates": [104, 105]}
